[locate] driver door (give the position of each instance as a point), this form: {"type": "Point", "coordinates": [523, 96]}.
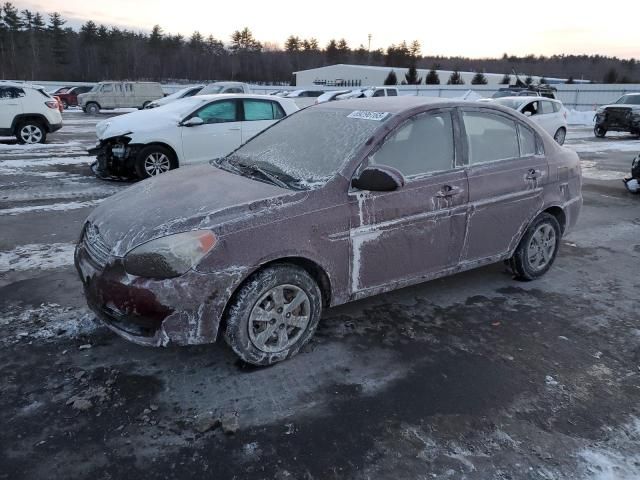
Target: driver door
{"type": "Point", "coordinates": [417, 230]}
{"type": "Point", "coordinates": [219, 135]}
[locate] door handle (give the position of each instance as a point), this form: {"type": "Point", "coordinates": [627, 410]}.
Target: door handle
{"type": "Point", "coordinates": [448, 191]}
{"type": "Point", "coordinates": [234, 129]}
{"type": "Point", "coordinates": [532, 174]}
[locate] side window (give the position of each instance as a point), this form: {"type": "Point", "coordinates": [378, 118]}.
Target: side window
{"type": "Point", "coordinates": [107, 88]}
{"type": "Point", "coordinates": [556, 106]}
{"type": "Point", "coordinates": [532, 107]}
{"type": "Point", "coordinates": [118, 88]}
{"type": "Point", "coordinates": [11, 92]}
{"type": "Point", "coordinates": [233, 90]}
{"type": "Point", "coordinates": [218, 112]}
{"type": "Point", "coordinates": [527, 141]}
{"type": "Point", "coordinates": [261, 110]}
{"type": "Point", "coordinates": [424, 144]}
{"type": "Point", "coordinates": [547, 107]}
{"type": "Point", "coordinates": [378, 93]}
{"type": "Point", "coordinates": [490, 137]}
{"type": "Point", "coordinates": [391, 93]}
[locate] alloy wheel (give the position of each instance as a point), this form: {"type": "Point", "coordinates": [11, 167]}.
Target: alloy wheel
{"type": "Point", "coordinates": [31, 134]}
{"type": "Point", "coordinates": [542, 246]}
{"type": "Point", "coordinates": [156, 163]}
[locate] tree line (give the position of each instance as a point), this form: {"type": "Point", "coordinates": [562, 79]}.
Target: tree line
{"type": "Point", "coordinates": [37, 46]}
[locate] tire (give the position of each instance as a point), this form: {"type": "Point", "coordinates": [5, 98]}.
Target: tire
{"type": "Point", "coordinates": [65, 105]}
{"type": "Point", "coordinates": [144, 105]}
{"type": "Point", "coordinates": [92, 108]}
{"type": "Point", "coordinates": [560, 136]}
{"type": "Point", "coordinates": [538, 248]}
{"type": "Point", "coordinates": [258, 327]}
{"type": "Point", "coordinates": [155, 160]}
{"type": "Point", "coordinates": [31, 132]}
{"type": "Point", "coordinates": [599, 132]}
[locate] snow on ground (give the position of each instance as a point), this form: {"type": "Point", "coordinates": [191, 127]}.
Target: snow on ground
{"type": "Point", "coordinates": [47, 321]}
{"type": "Point", "coordinates": [590, 170]}
{"type": "Point", "coordinates": [15, 164]}
{"type": "Point", "coordinates": [51, 207]}
{"type": "Point", "coordinates": [10, 148]}
{"type": "Point", "coordinates": [37, 256]}
{"type": "Point", "coordinates": [619, 459]}
{"type": "Point", "coordinates": [617, 145]}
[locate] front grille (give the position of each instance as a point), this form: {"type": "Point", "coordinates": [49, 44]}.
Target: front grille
{"type": "Point", "coordinates": [94, 244]}
{"type": "Point", "coordinates": [618, 114]}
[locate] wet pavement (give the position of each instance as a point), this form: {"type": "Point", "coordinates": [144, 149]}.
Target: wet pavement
{"type": "Point", "coordinates": [475, 376]}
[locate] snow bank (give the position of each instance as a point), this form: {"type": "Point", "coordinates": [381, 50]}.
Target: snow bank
{"type": "Point", "coordinates": [37, 256]}
{"type": "Point", "coordinates": [52, 207]}
{"type": "Point", "coordinates": [580, 117]}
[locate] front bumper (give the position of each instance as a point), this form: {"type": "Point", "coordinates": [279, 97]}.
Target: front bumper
{"type": "Point", "coordinates": [617, 121]}
{"type": "Point", "coordinates": [185, 310]}
{"type": "Point", "coordinates": [109, 164]}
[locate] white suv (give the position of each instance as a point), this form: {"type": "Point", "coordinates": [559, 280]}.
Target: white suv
{"type": "Point", "coordinates": [27, 112]}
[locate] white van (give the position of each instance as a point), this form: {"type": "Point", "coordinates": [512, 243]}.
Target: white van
{"type": "Point", "coordinates": [108, 95]}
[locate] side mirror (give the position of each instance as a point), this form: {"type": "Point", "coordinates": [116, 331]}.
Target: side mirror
{"type": "Point", "coordinates": [378, 178]}
{"type": "Point", "coordinates": [193, 122]}
{"type": "Point", "coordinates": [527, 113]}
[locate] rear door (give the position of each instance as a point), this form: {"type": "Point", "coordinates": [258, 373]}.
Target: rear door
{"type": "Point", "coordinates": [10, 105]}
{"type": "Point", "coordinates": [217, 136]}
{"type": "Point", "coordinates": [416, 231]}
{"type": "Point", "coordinates": [258, 115]}
{"type": "Point", "coordinates": [506, 170]}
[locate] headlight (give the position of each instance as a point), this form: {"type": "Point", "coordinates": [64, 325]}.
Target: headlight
{"type": "Point", "coordinates": [169, 256]}
{"type": "Point", "coordinates": [600, 111]}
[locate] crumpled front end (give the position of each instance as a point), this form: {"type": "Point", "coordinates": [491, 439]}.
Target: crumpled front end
{"type": "Point", "coordinates": [185, 310]}
{"type": "Point", "coordinates": [115, 157]}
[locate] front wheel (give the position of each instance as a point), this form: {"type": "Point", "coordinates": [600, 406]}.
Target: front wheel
{"type": "Point", "coordinates": [599, 131]}
{"type": "Point", "coordinates": [273, 314]}
{"type": "Point", "coordinates": [31, 132]}
{"type": "Point", "coordinates": [92, 108]}
{"type": "Point", "coordinates": [65, 104]}
{"type": "Point", "coordinates": [537, 250]}
{"type": "Point", "coordinates": [560, 136]}
{"type": "Point", "coordinates": [155, 160]}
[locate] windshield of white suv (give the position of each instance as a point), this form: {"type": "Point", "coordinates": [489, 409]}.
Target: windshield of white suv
{"type": "Point", "coordinates": [293, 151]}
{"type": "Point", "coordinates": [629, 99]}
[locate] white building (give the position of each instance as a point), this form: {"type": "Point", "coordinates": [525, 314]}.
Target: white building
{"type": "Point", "coordinates": [366, 75]}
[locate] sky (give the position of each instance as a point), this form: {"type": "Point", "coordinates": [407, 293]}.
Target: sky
{"type": "Point", "coordinates": [468, 28]}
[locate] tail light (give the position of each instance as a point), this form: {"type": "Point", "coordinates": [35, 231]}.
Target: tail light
{"type": "Point", "coordinates": [52, 104]}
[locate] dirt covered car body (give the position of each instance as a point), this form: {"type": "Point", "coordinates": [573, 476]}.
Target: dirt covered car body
{"type": "Point", "coordinates": [392, 192]}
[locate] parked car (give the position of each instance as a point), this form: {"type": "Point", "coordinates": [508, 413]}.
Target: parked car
{"type": "Point", "coordinates": [304, 97]}
{"type": "Point", "coordinates": [58, 91]}
{"type": "Point", "coordinates": [182, 93]}
{"type": "Point", "coordinates": [110, 95]}
{"type": "Point", "coordinates": [330, 96]}
{"type": "Point", "coordinates": [549, 114]}
{"type": "Point", "coordinates": [632, 182]}
{"type": "Point", "coordinates": [183, 132]}
{"type": "Point", "coordinates": [225, 87]}
{"type": "Point", "coordinates": [28, 112]}
{"type": "Point", "coordinates": [69, 98]}
{"type": "Point", "coordinates": [621, 116]}
{"type": "Point", "coordinates": [59, 105]}
{"type": "Point", "coordinates": [253, 246]}
{"type": "Point", "coordinates": [381, 92]}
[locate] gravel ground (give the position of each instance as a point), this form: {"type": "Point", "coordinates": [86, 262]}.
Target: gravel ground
{"type": "Point", "coordinates": [475, 376]}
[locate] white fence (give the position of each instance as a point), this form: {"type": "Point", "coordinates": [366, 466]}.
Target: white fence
{"type": "Point", "coordinates": [574, 96]}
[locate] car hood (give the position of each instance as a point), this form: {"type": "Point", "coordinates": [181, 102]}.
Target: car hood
{"type": "Point", "coordinates": [140, 121]}
{"type": "Point", "coordinates": [189, 198]}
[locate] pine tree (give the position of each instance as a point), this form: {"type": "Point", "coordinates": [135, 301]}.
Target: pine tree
{"type": "Point", "coordinates": [292, 44]}
{"type": "Point", "coordinates": [412, 77]}
{"type": "Point", "coordinates": [391, 79]}
{"type": "Point", "coordinates": [455, 78]}
{"type": "Point", "coordinates": [506, 79]}
{"type": "Point", "coordinates": [479, 79]}
{"type": "Point", "coordinates": [611, 76]}
{"type": "Point", "coordinates": [543, 81]}
{"type": "Point", "coordinates": [529, 80]}
{"type": "Point", "coordinates": [58, 38]}
{"type": "Point", "coordinates": [432, 77]}
{"type": "Point", "coordinates": [569, 80]}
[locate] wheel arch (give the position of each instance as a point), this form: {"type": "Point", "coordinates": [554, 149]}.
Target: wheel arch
{"type": "Point", "coordinates": [559, 215]}
{"type": "Point", "coordinates": [25, 117]}
{"type": "Point", "coordinates": [141, 146]}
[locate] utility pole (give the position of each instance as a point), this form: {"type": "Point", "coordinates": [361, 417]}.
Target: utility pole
{"type": "Point", "coordinates": [369, 50]}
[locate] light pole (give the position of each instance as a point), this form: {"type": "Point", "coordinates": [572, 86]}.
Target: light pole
{"type": "Point", "coordinates": [369, 50]}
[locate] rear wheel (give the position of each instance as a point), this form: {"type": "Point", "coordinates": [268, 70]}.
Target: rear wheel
{"type": "Point", "coordinates": [65, 105]}
{"type": "Point", "coordinates": [92, 108]}
{"type": "Point", "coordinates": [537, 250]}
{"type": "Point", "coordinates": [599, 131]}
{"type": "Point", "coordinates": [273, 314]}
{"type": "Point", "coordinates": [31, 132]}
{"type": "Point", "coordinates": [560, 136]}
{"type": "Point", "coordinates": [155, 160]}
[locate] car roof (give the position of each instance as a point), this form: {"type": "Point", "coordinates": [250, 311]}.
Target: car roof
{"type": "Point", "coordinates": [532, 98]}
{"type": "Point", "coordinates": [5, 83]}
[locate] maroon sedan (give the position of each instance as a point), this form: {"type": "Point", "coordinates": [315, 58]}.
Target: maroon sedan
{"type": "Point", "coordinates": [69, 97]}
{"type": "Point", "coordinates": [334, 203]}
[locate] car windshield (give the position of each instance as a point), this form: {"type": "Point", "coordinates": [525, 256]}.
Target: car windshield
{"type": "Point", "coordinates": [211, 89]}
{"type": "Point", "coordinates": [509, 102]}
{"type": "Point", "coordinates": [629, 99]}
{"type": "Point", "coordinates": [293, 151]}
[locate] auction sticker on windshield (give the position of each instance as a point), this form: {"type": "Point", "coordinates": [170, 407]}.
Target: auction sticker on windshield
{"type": "Point", "coordinates": [366, 115]}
